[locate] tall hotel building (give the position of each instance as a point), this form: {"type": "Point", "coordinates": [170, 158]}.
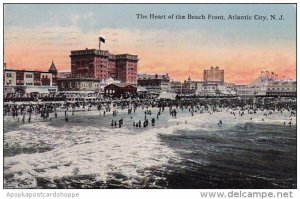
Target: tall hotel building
{"type": "Point", "coordinates": [99, 64]}
{"type": "Point", "coordinates": [214, 75]}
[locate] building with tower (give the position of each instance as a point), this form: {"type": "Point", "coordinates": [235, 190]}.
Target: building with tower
{"type": "Point", "coordinates": [189, 86]}
{"type": "Point", "coordinates": [27, 82]}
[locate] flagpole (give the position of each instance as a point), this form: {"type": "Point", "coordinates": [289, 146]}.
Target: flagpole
{"type": "Point", "coordinates": [99, 43]}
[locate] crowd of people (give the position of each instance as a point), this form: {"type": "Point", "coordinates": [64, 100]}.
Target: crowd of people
{"type": "Point", "coordinates": [46, 111]}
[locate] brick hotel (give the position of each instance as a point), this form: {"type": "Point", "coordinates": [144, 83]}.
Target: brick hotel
{"type": "Point", "coordinates": [99, 64]}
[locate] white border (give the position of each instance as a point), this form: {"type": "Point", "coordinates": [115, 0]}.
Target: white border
{"type": "Point", "coordinates": [141, 193]}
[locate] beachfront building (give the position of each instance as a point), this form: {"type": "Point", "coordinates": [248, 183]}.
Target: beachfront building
{"type": "Point", "coordinates": [120, 90]}
{"type": "Point", "coordinates": [212, 85]}
{"type": "Point", "coordinates": [80, 89]}
{"type": "Point", "coordinates": [27, 82]}
{"type": "Point", "coordinates": [78, 84]}
{"type": "Point", "coordinates": [267, 84]}
{"type": "Point", "coordinates": [214, 74]}
{"type": "Point", "coordinates": [105, 82]}
{"type": "Point", "coordinates": [256, 88]}
{"type": "Point", "coordinates": [287, 88]}
{"type": "Point", "coordinates": [207, 89]}
{"type": "Point", "coordinates": [176, 87]}
{"type": "Point", "coordinates": [189, 86]}
{"type": "Point", "coordinates": [154, 83]}
{"type": "Point", "coordinates": [100, 64]}
{"type": "Point", "coordinates": [215, 89]}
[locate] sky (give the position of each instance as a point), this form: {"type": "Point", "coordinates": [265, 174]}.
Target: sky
{"type": "Point", "coordinates": [36, 34]}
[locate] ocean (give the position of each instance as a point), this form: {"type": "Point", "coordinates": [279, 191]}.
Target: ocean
{"type": "Point", "coordinates": [183, 152]}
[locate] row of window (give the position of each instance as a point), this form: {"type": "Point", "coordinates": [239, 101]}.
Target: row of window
{"type": "Point", "coordinates": [29, 76]}
{"type": "Point", "coordinates": [283, 83]}
{"type": "Point", "coordinates": [281, 89]}
{"type": "Point", "coordinates": [9, 82]}
{"type": "Point", "coordinates": [76, 85]}
{"type": "Point", "coordinates": [282, 94]}
{"type": "Point", "coordinates": [213, 88]}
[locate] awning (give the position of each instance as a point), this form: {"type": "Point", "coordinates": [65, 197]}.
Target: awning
{"type": "Point", "coordinates": [34, 90]}
{"type": "Point", "coordinates": [164, 95]}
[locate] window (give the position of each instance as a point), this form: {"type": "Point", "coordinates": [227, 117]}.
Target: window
{"type": "Point", "coordinates": [90, 85]}
{"type": "Point", "coordinates": [8, 74]}
{"type": "Point", "coordinates": [28, 76]}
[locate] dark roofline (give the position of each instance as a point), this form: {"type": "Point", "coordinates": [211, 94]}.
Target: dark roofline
{"type": "Point", "coordinates": [121, 85]}
{"type": "Point", "coordinates": [104, 53]}
{"type": "Point", "coordinates": [125, 54]}
{"type": "Point", "coordinates": [144, 76]}
{"type": "Point", "coordinates": [78, 78]}
{"type": "Point", "coordinates": [31, 71]}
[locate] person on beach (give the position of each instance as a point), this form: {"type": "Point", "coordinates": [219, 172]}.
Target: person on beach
{"type": "Point", "coordinates": [153, 121]}
{"type": "Point", "coordinates": [139, 123]}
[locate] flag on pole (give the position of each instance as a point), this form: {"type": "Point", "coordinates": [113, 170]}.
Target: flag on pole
{"type": "Point", "coordinates": [101, 39]}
